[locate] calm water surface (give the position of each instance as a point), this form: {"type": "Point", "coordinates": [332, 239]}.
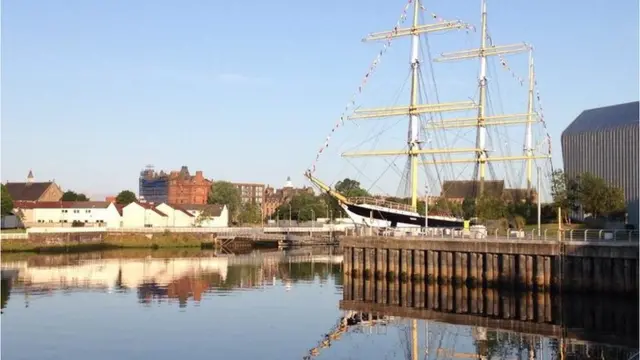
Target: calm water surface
{"type": "Point", "coordinates": [282, 305]}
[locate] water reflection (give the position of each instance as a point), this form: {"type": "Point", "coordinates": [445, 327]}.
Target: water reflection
{"type": "Point", "coordinates": [284, 305]}
{"type": "Point", "coordinates": [176, 279]}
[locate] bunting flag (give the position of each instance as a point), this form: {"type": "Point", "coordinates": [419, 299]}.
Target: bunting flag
{"type": "Point", "coordinates": [506, 66]}
{"type": "Point", "coordinates": [541, 113]}
{"type": "Point", "coordinates": [370, 71]}
{"type": "Point", "coordinates": [439, 19]}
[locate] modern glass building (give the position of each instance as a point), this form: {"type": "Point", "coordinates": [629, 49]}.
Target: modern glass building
{"type": "Point", "coordinates": [605, 142]}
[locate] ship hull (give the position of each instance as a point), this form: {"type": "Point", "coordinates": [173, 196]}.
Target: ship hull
{"type": "Point", "coordinates": [382, 217]}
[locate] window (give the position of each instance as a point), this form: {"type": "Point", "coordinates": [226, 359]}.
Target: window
{"type": "Point", "coordinates": [65, 211]}
{"type": "Point", "coordinates": [87, 211]}
{"type": "Point", "coordinates": [76, 211]}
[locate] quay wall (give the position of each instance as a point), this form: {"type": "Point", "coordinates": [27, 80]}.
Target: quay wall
{"type": "Point", "coordinates": [494, 263]}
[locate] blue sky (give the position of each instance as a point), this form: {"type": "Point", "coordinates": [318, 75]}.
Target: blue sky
{"type": "Point", "coordinates": [92, 91]}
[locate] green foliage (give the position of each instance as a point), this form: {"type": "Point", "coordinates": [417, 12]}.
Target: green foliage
{"type": "Point", "coordinates": [225, 193]}
{"type": "Point", "coordinates": [7, 202]}
{"type": "Point", "coordinates": [468, 208]}
{"type": "Point", "coordinates": [126, 197]}
{"type": "Point", "coordinates": [597, 197]}
{"type": "Point", "coordinates": [303, 207]}
{"type": "Point", "coordinates": [587, 190]}
{"type": "Point", "coordinates": [73, 196]}
{"type": "Point", "coordinates": [490, 208]}
{"type": "Point", "coordinates": [250, 214]}
{"type": "Point", "coordinates": [350, 188]}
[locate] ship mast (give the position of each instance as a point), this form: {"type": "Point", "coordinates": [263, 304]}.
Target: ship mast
{"type": "Point", "coordinates": [413, 141]}
{"type": "Point", "coordinates": [414, 109]}
{"type": "Point", "coordinates": [482, 120]}
{"type": "Point", "coordinates": [528, 140]}
{"type": "Point", "coordinates": [481, 131]}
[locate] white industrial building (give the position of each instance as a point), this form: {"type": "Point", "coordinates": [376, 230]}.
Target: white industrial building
{"type": "Point", "coordinates": [177, 215]}
{"type": "Point", "coordinates": [207, 215]}
{"type": "Point", "coordinates": [138, 215]}
{"type": "Point", "coordinates": [65, 213]}
{"type": "Point", "coordinates": [111, 215]}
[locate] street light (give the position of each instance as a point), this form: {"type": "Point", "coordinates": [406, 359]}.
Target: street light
{"type": "Point", "coordinates": [426, 210]}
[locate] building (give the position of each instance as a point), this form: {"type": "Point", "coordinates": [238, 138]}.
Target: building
{"type": "Point", "coordinates": [176, 187]}
{"type": "Point", "coordinates": [458, 190]}
{"type": "Point", "coordinates": [34, 191]}
{"type": "Point", "coordinates": [178, 216]}
{"type": "Point", "coordinates": [138, 215]}
{"type": "Point", "coordinates": [153, 186]}
{"type": "Point", "coordinates": [10, 221]}
{"type": "Point", "coordinates": [605, 141]}
{"type": "Point", "coordinates": [208, 215]}
{"type": "Point", "coordinates": [187, 189]}
{"type": "Point", "coordinates": [68, 213]}
{"type": "Point", "coordinates": [251, 193]}
{"type": "Point", "coordinates": [273, 198]}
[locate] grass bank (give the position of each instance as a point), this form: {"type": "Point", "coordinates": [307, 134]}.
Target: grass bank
{"type": "Point", "coordinates": [129, 241]}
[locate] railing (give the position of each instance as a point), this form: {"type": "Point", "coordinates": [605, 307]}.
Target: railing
{"type": "Point", "coordinates": [569, 235]}
{"type": "Point", "coordinates": [380, 202]}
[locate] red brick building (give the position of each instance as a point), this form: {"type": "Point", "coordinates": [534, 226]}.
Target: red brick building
{"type": "Point", "coordinates": [187, 189]}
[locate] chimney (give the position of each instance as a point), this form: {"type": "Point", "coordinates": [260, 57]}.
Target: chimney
{"type": "Point", "coordinates": [199, 175]}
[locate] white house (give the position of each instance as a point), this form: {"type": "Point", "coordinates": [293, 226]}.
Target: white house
{"type": "Point", "coordinates": [177, 215]}
{"type": "Point", "coordinates": [65, 213]}
{"type": "Point", "coordinates": [138, 215]}
{"type": "Point", "coordinates": [207, 215]}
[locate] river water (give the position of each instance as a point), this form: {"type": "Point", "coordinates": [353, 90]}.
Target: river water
{"type": "Point", "coordinates": [168, 304]}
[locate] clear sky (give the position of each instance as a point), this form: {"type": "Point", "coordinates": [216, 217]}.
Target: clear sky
{"type": "Point", "coordinates": [92, 91]}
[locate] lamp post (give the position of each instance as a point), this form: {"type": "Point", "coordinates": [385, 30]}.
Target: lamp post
{"type": "Point", "coordinates": [426, 209]}
{"type": "Point", "coordinates": [538, 201]}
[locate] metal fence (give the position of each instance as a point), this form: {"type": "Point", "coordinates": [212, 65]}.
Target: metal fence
{"type": "Point", "coordinates": [569, 235]}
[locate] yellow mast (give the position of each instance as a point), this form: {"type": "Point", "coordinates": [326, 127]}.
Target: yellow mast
{"type": "Point", "coordinates": [529, 146]}
{"type": "Point", "coordinates": [482, 120]}
{"type": "Point", "coordinates": [413, 109]}
{"type": "Point", "coordinates": [481, 155]}
{"type": "Point", "coordinates": [413, 140]}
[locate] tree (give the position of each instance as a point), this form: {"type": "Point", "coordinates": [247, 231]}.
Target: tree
{"type": "Point", "coordinates": [490, 208]}
{"type": "Point", "coordinates": [7, 202]}
{"type": "Point", "coordinates": [350, 188]}
{"type": "Point", "coordinates": [73, 196]}
{"type": "Point", "coordinates": [614, 201]}
{"type": "Point", "coordinates": [303, 207]}
{"type": "Point", "coordinates": [597, 197]}
{"type": "Point", "coordinates": [126, 197]}
{"type": "Point", "coordinates": [564, 192]}
{"type": "Point", "coordinates": [225, 193]}
{"type": "Point", "coordinates": [250, 213]}
{"type": "Point", "coordinates": [468, 208]}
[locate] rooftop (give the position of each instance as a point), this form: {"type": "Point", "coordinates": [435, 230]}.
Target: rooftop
{"type": "Point", "coordinates": [605, 118]}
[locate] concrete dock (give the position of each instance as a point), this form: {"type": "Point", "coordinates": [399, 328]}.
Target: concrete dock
{"type": "Point", "coordinates": [601, 266]}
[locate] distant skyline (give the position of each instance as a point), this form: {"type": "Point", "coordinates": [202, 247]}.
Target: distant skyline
{"type": "Point", "coordinates": [93, 91]}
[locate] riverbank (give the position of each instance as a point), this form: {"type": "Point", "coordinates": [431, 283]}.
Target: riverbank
{"type": "Point", "coordinates": [109, 242]}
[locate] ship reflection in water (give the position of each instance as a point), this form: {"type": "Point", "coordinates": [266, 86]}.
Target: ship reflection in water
{"type": "Point", "coordinates": [285, 305]}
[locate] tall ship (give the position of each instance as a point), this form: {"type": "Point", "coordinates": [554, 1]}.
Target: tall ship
{"type": "Point", "coordinates": [462, 149]}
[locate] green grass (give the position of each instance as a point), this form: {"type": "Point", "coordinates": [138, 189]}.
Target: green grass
{"type": "Point", "coordinates": [132, 241]}
{"type": "Point", "coordinates": [13, 231]}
